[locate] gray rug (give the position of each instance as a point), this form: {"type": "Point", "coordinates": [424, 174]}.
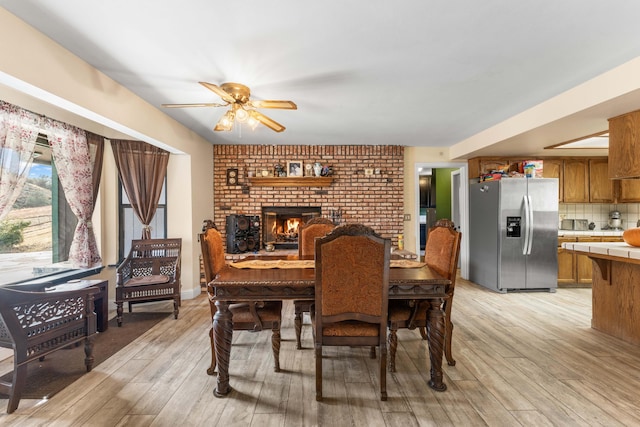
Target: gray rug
{"type": "Point", "coordinates": [63, 367]}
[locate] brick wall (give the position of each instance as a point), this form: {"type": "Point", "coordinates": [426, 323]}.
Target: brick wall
{"type": "Point", "coordinates": [376, 201]}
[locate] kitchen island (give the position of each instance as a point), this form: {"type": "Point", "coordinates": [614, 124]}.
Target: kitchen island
{"type": "Point", "coordinates": [574, 268]}
{"type": "Point", "coordinates": [615, 287]}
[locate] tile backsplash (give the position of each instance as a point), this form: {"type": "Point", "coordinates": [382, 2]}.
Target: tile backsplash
{"type": "Point", "coordinates": [598, 213]}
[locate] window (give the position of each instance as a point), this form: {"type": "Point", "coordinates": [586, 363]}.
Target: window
{"type": "Point", "coordinates": [37, 233]}
{"type": "Point", "coordinates": [131, 227]}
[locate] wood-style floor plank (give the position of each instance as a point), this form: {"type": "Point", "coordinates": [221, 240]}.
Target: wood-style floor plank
{"type": "Point", "coordinates": [523, 359]}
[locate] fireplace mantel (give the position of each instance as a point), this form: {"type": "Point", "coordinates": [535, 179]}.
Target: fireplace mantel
{"type": "Point", "coordinates": [302, 181]}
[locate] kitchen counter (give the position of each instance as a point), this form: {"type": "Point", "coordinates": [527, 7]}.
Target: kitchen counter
{"type": "Point", "coordinates": [615, 304]}
{"type": "Point", "coordinates": [563, 233]}
{"type": "Point", "coordinates": [614, 249]}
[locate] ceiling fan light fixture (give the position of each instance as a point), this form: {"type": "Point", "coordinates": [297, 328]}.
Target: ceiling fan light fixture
{"type": "Point", "coordinates": [242, 115]}
{"type": "Point", "coordinates": [243, 108]}
{"type": "Point", "coordinates": [226, 121]}
{"type": "Point", "coordinates": [252, 121]}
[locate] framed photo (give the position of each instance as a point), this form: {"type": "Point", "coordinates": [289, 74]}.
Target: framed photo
{"type": "Point", "coordinates": [294, 168]}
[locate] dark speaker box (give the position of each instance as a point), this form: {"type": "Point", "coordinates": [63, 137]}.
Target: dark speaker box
{"type": "Point", "coordinates": [242, 233]}
{"type": "Point", "coordinates": [237, 224]}
{"type": "Point", "coordinates": [253, 241]}
{"type": "Point", "coordinates": [236, 244]}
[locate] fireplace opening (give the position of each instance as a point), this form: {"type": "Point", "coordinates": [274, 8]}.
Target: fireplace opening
{"type": "Point", "coordinates": [280, 224]}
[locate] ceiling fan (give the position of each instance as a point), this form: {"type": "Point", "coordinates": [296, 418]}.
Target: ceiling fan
{"type": "Point", "coordinates": [243, 109]}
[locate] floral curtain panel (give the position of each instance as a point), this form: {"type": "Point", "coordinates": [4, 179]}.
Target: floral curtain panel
{"type": "Point", "coordinates": [96, 153]}
{"type": "Point", "coordinates": [18, 133]}
{"type": "Point", "coordinates": [142, 168]}
{"type": "Point", "coordinates": [72, 158]}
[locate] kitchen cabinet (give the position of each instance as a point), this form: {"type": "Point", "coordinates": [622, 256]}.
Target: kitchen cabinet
{"type": "Point", "coordinates": [580, 180]}
{"type": "Point", "coordinates": [566, 263]}
{"type": "Point", "coordinates": [600, 186]}
{"type": "Point", "coordinates": [584, 267]}
{"type": "Point", "coordinates": [576, 181]}
{"type": "Point", "coordinates": [628, 191]}
{"type": "Point", "coordinates": [624, 143]}
{"type": "Point", "coordinates": [576, 269]}
{"type": "Point", "coordinates": [552, 168]}
{"type": "Point", "coordinates": [479, 166]}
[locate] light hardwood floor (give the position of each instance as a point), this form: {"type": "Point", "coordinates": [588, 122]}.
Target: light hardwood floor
{"type": "Point", "coordinates": [526, 359]}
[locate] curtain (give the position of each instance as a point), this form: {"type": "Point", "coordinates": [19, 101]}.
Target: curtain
{"type": "Point", "coordinates": [67, 220]}
{"type": "Point", "coordinates": [70, 152]}
{"type": "Point", "coordinates": [96, 153]}
{"type": "Point", "coordinates": [18, 133]}
{"type": "Point", "coordinates": [142, 168]}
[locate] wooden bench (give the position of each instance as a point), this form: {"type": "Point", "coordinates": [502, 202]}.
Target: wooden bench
{"type": "Point", "coordinates": [36, 323]}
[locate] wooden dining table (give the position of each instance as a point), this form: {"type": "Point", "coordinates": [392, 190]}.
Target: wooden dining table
{"type": "Point", "coordinates": [275, 284]}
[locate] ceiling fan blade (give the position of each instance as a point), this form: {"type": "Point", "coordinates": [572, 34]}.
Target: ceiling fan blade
{"type": "Point", "coordinates": [284, 105]}
{"type": "Point", "coordinates": [268, 122]}
{"type": "Point", "coordinates": [210, 104]}
{"type": "Point", "coordinates": [219, 91]}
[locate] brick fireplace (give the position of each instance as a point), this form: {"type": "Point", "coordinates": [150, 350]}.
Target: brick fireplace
{"type": "Point", "coordinates": [367, 186]}
{"type": "Point", "coordinates": [280, 224]}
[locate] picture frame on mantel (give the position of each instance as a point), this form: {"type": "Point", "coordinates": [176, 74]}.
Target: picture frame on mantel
{"type": "Point", "coordinates": [294, 168]}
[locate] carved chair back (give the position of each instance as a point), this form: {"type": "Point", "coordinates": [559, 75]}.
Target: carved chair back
{"type": "Point", "coordinates": [351, 293]}
{"type": "Point", "coordinates": [151, 272]}
{"type": "Point", "coordinates": [443, 248]}
{"type": "Point", "coordinates": [36, 323]}
{"type": "Point", "coordinates": [315, 227]}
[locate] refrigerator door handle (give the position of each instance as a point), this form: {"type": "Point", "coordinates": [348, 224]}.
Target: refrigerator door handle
{"type": "Point", "coordinates": [527, 219]}
{"type": "Point", "coordinates": [530, 225]}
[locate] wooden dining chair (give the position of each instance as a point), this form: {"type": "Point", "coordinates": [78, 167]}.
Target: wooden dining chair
{"type": "Point", "coordinates": [315, 227]}
{"type": "Point", "coordinates": [441, 254]}
{"type": "Point", "coordinates": [246, 316]}
{"type": "Point", "coordinates": [351, 294]}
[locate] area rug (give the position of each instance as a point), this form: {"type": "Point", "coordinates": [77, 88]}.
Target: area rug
{"type": "Point", "coordinates": [63, 367]}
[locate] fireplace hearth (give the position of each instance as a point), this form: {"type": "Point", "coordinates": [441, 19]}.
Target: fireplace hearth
{"type": "Point", "coordinates": [280, 224]}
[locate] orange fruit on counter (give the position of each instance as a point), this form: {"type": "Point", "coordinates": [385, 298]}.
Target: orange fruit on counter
{"type": "Point", "coordinates": [632, 236]}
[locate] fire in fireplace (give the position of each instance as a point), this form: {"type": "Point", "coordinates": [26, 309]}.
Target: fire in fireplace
{"type": "Point", "coordinates": [280, 224]}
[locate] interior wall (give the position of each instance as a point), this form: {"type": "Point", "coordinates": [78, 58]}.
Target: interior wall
{"type": "Point", "coordinates": [443, 192]}
{"type": "Point", "coordinates": [414, 156]}
{"type": "Point", "coordinates": [39, 75]}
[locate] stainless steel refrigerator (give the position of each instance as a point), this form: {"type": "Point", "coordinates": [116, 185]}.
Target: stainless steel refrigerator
{"type": "Point", "coordinates": [513, 234]}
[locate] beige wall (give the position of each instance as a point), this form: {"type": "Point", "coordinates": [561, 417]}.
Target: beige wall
{"type": "Point", "coordinates": [412, 157]}
{"type": "Point", "coordinates": [39, 75]}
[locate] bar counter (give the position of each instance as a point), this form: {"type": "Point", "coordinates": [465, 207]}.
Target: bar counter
{"type": "Point", "coordinates": [615, 288]}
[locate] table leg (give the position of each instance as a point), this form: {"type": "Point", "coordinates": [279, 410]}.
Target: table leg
{"type": "Point", "coordinates": [222, 336]}
{"type": "Point", "coordinates": [435, 335]}
{"type": "Point", "coordinates": [101, 302]}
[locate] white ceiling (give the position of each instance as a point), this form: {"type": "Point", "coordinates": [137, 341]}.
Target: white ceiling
{"type": "Point", "coordinates": [407, 72]}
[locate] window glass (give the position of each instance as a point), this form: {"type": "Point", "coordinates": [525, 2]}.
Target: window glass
{"type": "Point", "coordinates": [130, 225]}
{"type": "Point", "coordinates": [27, 232]}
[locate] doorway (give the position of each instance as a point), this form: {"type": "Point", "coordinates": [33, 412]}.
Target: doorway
{"type": "Point", "coordinates": [458, 209]}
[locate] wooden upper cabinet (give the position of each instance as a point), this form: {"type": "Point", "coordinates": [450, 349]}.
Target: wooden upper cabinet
{"type": "Point", "coordinates": [553, 169]}
{"type": "Point", "coordinates": [479, 166]}
{"type": "Point", "coordinates": [628, 191]}
{"type": "Point", "coordinates": [624, 145]}
{"type": "Point", "coordinates": [576, 181]}
{"type": "Point", "coordinates": [600, 186]}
